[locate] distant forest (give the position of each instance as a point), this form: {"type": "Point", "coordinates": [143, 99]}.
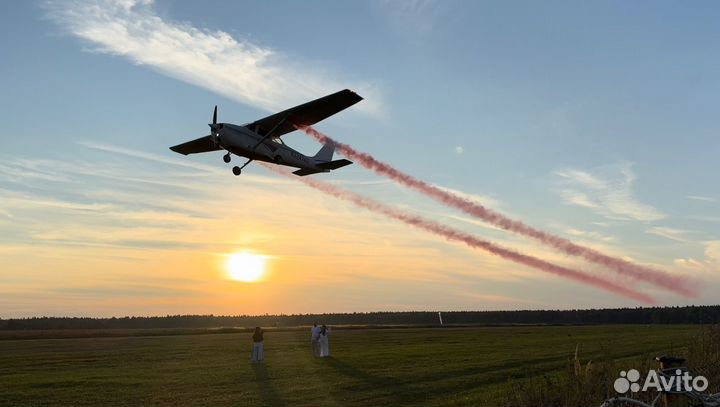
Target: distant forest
{"type": "Point", "coordinates": [655, 315]}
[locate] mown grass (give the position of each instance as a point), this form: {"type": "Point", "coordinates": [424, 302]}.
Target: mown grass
{"type": "Point", "coordinates": [417, 366]}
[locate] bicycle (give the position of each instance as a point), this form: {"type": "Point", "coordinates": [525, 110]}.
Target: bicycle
{"type": "Point", "coordinates": [669, 368]}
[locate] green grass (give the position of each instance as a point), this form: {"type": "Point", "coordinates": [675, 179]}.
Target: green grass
{"type": "Point", "coordinates": [414, 366]}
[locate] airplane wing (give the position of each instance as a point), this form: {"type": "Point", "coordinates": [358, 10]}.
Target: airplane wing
{"type": "Point", "coordinates": [306, 114]}
{"type": "Point", "coordinates": [201, 145]}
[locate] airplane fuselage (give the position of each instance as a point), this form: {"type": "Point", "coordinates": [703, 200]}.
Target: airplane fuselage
{"type": "Point", "coordinates": [243, 141]}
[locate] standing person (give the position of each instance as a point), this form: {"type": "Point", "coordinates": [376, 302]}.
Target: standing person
{"type": "Point", "coordinates": [324, 345]}
{"type": "Point", "coordinates": [258, 353]}
{"type": "Point", "coordinates": [315, 339]}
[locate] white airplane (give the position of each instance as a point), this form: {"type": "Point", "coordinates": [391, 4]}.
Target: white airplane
{"type": "Point", "coordinates": [260, 140]}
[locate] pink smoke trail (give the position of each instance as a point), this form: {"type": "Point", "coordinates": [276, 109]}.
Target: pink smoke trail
{"type": "Point", "coordinates": [456, 235]}
{"type": "Point", "coordinates": [651, 275]}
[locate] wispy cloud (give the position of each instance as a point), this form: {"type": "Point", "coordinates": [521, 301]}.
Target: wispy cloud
{"type": "Point", "coordinates": [18, 175]}
{"type": "Point", "coordinates": [710, 263]}
{"type": "Point", "coordinates": [206, 170]}
{"type": "Point", "coordinates": [608, 192]}
{"type": "Point", "coordinates": [52, 203]}
{"type": "Point", "coordinates": [233, 67]}
{"type": "Point", "coordinates": [704, 218]}
{"type": "Point", "coordinates": [592, 235]}
{"type": "Point", "coordinates": [677, 235]}
{"type": "Point", "coordinates": [484, 200]}
{"type": "Point", "coordinates": [577, 198]}
{"type": "Point", "coordinates": [146, 156]}
{"type": "Point", "coordinates": [702, 198]}
{"type": "Point", "coordinates": [416, 16]}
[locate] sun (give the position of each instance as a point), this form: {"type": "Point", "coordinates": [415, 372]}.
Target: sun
{"type": "Point", "coordinates": [246, 267]}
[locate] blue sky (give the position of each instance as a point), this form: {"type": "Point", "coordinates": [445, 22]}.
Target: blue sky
{"type": "Point", "coordinates": [594, 121]}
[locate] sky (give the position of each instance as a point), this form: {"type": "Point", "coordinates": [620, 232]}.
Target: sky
{"type": "Point", "coordinates": [594, 121]}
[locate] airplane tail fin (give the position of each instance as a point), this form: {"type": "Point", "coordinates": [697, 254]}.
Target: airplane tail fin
{"type": "Point", "coordinates": [323, 161]}
{"type": "Point", "coordinates": [325, 153]}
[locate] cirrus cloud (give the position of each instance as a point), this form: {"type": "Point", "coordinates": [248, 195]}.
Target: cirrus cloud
{"type": "Point", "coordinates": [233, 67]}
{"type": "Point", "coordinates": [608, 192]}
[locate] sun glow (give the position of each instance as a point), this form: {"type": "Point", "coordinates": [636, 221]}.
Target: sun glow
{"type": "Point", "coordinates": [246, 267]}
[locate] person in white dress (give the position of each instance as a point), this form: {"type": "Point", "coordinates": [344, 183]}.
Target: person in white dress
{"type": "Point", "coordinates": [315, 339]}
{"type": "Point", "coordinates": [258, 352]}
{"type": "Point", "coordinates": [324, 345]}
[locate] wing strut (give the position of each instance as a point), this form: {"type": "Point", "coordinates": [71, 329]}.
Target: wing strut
{"type": "Point", "coordinates": [270, 133]}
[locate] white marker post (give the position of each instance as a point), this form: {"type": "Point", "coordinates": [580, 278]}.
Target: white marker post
{"type": "Point", "coordinates": [440, 317]}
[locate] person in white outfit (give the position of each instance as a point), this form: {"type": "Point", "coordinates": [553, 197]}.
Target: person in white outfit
{"type": "Point", "coordinates": [258, 352]}
{"type": "Point", "coordinates": [324, 345]}
{"type": "Point", "coordinates": [315, 339]}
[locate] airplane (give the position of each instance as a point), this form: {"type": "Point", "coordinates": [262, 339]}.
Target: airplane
{"type": "Point", "coordinates": [260, 140]}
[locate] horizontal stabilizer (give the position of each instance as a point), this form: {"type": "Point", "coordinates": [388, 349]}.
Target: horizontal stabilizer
{"type": "Point", "coordinates": [200, 145]}
{"type": "Point", "coordinates": [334, 165]}
{"type": "Point", "coordinates": [303, 172]}
{"type": "Point", "coordinates": [324, 167]}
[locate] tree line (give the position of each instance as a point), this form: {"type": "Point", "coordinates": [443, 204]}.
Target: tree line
{"type": "Point", "coordinates": [644, 315]}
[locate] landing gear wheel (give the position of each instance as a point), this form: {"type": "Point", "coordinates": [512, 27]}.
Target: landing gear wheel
{"type": "Point", "coordinates": [236, 170]}
{"type": "Point", "coordinates": [226, 158]}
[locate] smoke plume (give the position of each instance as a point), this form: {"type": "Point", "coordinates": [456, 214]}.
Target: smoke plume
{"type": "Point", "coordinates": [460, 236]}
{"type": "Point", "coordinates": [653, 276]}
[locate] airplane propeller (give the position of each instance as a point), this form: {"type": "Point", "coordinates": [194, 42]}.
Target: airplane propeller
{"type": "Point", "coordinates": [215, 129]}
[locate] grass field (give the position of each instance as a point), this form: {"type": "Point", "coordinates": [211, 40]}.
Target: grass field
{"type": "Point", "coordinates": [413, 366]}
